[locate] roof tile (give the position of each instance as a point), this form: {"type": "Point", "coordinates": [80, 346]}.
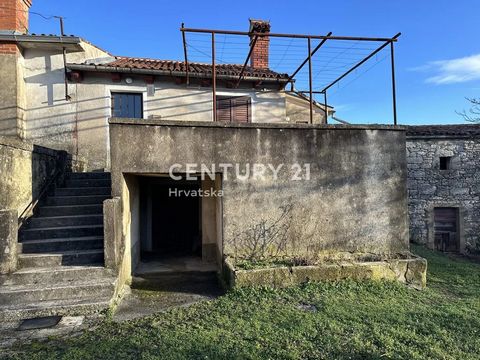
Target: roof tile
{"type": "Point", "coordinates": [198, 68]}
{"type": "Point", "coordinates": [463, 130]}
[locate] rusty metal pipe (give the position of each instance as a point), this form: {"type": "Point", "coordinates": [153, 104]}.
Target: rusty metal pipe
{"type": "Point", "coordinates": [361, 62]}
{"type": "Point", "coordinates": [310, 79]}
{"type": "Point", "coordinates": [185, 56]}
{"type": "Point", "coordinates": [297, 36]}
{"type": "Point", "coordinates": [306, 60]}
{"type": "Point", "coordinates": [214, 79]}
{"type": "Point", "coordinates": [252, 45]}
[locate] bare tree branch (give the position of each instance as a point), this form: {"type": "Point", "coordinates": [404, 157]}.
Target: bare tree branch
{"type": "Point", "coordinates": [473, 114]}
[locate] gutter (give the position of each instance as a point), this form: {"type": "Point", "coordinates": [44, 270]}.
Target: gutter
{"type": "Point", "coordinates": [102, 68]}
{"type": "Point", "coordinates": [340, 120]}
{"type": "Point", "coordinates": [316, 103]}
{"type": "Point", "coordinates": [43, 39]}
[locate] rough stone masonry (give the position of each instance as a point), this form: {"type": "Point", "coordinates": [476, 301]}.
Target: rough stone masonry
{"type": "Point", "coordinates": [456, 186]}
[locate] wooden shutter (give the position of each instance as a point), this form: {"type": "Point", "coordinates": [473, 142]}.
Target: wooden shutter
{"type": "Point", "coordinates": [127, 105]}
{"type": "Point", "coordinates": [241, 109]}
{"type": "Point", "coordinates": [234, 109]}
{"type": "Point", "coordinates": [224, 109]}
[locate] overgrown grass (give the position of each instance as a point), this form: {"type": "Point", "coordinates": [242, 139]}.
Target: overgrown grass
{"type": "Point", "coordinates": [353, 320]}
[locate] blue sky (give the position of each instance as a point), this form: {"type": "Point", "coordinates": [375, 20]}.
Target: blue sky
{"type": "Point", "coordinates": [437, 56]}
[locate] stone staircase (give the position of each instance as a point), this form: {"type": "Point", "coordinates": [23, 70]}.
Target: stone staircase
{"type": "Point", "coordinates": [60, 261]}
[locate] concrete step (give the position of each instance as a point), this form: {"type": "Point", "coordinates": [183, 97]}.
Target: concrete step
{"type": "Point", "coordinates": [76, 200]}
{"type": "Point", "coordinates": [89, 175]}
{"type": "Point", "coordinates": [58, 232]}
{"type": "Point", "coordinates": [76, 257]}
{"type": "Point", "coordinates": [61, 221]}
{"type": "Point", "coordinates": [71, 183]}
{"type": "Point", "coordinates": [46, 211]}
{"type": "Point", "coordinates": [81, 191]}
{"type": "Point", "coordinates": [61, 307]}
{"type": "Point", "coordinates": [61, 244]}
{"type": "Point", "coordinates": [24, 294]}
{"type": "Point", "coordinates": [53, 275]}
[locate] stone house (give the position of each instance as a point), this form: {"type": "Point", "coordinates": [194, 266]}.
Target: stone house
{"type": "Point", "coordinates": [92, 145]}
{"type": "Point", "coordinates": [444, 186]}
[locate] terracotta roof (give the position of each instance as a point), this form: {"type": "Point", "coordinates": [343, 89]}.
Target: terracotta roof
{"type": "Point", "coordinates": [461, 130]}
{"type": "Point", "coordinates": [194, 68]}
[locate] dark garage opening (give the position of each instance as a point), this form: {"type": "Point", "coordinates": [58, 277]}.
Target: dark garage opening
{"type": "Point", "coordinates": [171, 220]}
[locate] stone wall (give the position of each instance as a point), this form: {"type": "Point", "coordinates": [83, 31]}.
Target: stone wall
{"type": "Point", "coordinates": [355, 202]}
{"type": "Point", "coordinates": [430, 187]}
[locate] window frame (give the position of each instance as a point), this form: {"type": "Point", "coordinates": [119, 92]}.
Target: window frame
{"type": "Point", "coordinates": [120, 92]}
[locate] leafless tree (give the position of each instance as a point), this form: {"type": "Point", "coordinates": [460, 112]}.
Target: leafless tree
{"type": "Point", "coordinates": [473, 114]}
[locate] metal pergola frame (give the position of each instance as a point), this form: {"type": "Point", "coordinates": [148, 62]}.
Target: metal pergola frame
{"type": "Point", "coordinates": [324, 38]}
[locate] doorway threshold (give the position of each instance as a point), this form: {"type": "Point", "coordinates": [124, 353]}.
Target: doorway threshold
{"type": "Point", "coordinates": [173, 264]}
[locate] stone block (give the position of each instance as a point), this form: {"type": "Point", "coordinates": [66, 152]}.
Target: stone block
{"type": "Point", "coordinates": [411, 271]}
{"type": "Point", "coordinates": [416, 274]}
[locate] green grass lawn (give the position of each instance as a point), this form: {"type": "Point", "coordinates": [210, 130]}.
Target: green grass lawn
{"type": "Point", "coordinates": [353, 320]}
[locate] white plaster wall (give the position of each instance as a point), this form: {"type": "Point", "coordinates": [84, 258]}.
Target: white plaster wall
{"type": "Point", "coordinates": [80, 126]}
{"type": "Point", "coordinates": [51, 120]}
{"type": "Point", "coordinates": [299, 111]}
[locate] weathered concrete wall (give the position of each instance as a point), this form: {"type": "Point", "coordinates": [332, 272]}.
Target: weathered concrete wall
{"type": "Point", "coordinates": [355, 201]}
{"type": "Point", "coordinates": [8, 241]}
{"type": "Point", "coordinates": [430, 187]}
{"type": "Point", "coordinates": [112, 225]}
{"type": "Point", "coordinates": [24, 171]}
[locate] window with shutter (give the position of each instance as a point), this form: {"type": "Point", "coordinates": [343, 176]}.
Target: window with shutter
{"type": "Point", "coordinates": [234, 109]}
{"type": "Point", "coordinates": [127, 105]}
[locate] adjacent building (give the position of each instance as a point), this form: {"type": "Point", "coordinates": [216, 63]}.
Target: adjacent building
{"type": "Point", "coordinates": [444, 186]}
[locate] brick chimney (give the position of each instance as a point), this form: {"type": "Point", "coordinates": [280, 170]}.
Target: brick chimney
{"type": "Point", "coordinates": [259, 58]}
{"type": "Point", "coordinates": [14, 16]}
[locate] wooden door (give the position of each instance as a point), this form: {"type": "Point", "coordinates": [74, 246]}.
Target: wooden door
{"type": "Point", "coordinates": [446, 229]}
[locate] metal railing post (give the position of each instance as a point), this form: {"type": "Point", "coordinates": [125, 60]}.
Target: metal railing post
{"type": "Point", "coordinates": [394, 91]}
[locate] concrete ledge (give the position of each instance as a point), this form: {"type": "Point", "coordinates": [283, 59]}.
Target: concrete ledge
{"type": "Point", "coordinates": [411, 271]}
{"type": "Point", "coordinates": [26, 145]}
{"type": "Point", "coordinates": [8, 241]}
{"type": "Point", "coordinates": [218, 124]}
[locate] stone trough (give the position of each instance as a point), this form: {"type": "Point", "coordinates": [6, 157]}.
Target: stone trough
{"type": "Point", "coordinates": [411, 271]}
